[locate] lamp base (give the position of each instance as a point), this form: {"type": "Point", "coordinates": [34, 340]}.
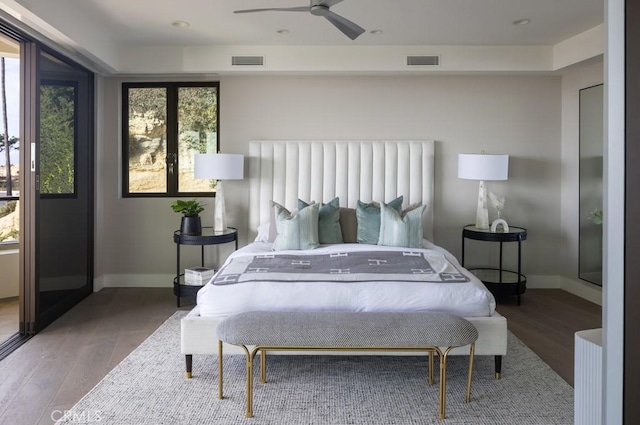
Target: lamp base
{"type": "Point", "coordinates": [482, 214]}
{"type": "Point", "coordinates": [219, 213]}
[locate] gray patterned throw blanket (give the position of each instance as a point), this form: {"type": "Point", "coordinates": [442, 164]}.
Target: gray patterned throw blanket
{"type": "Point", "coordinates": [351, 266]}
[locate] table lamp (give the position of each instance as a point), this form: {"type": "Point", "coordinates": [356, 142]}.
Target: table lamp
{"type": "Point", "coordinates": [483, 167]}
{"type": "Point", "coordinates": [219, 166]}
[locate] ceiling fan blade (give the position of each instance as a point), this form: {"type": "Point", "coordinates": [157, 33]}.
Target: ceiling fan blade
{"type": "Point", "coordinates": [329, 3]}
{"type": "Point", "coordinates": [277, 9]}
{"type": "Point", "coordinates": [350, 29]}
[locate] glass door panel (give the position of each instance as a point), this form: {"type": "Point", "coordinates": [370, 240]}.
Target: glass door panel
{"type": "Point", "coordinates": [64, 188]}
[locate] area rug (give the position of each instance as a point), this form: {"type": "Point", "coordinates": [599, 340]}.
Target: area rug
{"type": "Point", "coordinates": [150, 387]}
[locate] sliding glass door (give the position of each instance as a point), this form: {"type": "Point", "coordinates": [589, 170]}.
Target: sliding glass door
{"type": "Point", "coordinates": [57, 186]}
{"type": "Point", "coordinates": [62, 169]}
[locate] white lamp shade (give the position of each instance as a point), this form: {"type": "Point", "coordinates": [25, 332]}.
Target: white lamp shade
{"type": "Point", "coordinates": [218, 166]}
{"type": "Point", "coordinates": [483, 167]}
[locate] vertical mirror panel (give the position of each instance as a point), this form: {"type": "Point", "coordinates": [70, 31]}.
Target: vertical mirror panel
{"type": "Point", "coordinates": [591, 152]}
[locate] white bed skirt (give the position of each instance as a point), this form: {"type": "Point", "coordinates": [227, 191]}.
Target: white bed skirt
{"type": "Point", "coordinates": [199, 337]}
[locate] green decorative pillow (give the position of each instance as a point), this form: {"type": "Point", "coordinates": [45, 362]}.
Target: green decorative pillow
{"type": "Point", "coordinates": [296, 231]}
{"type": "Point", "coordinates": [368, 217]}
{"type": "Point", "coordinates": [401, 229]}
{"type": "Point", "coordinates": [329, 230]}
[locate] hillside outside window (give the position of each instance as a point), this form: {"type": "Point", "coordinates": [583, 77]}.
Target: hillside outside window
{"type": "Point", "coordinates": [164, 125]}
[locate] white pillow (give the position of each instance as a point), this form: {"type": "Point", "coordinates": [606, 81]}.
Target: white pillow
{"type": "Point", "coordinates": [267, 231]}
{"type": "Point", "coordinates": [263, 233]}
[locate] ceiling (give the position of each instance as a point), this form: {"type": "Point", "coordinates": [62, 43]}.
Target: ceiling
{"type": "Point", "coordinates": [137, 36]}
{"type": "Point", "coordinates": [404, 22]}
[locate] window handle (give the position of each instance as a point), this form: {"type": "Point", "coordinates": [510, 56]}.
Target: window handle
{"type": "Point", "coordinates": [171, 161]}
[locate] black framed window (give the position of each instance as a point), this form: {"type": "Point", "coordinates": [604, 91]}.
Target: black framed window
{"type": "Point", "coordinates": [164, 125]}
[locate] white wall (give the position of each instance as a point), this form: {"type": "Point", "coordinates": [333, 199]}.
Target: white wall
{"type": "Point", "coordinates": [517, 115]}
{"type": "Point", "coordinates": [573, 80]}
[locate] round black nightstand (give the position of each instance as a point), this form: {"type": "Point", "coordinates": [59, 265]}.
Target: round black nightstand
{"type": "Point", "coordinates": [207, 237]}
{"type": "Point", "coordinates": [499, 281]}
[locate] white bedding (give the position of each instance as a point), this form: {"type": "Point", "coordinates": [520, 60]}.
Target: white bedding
{"type": "Point", "coordinates": [470, 299]}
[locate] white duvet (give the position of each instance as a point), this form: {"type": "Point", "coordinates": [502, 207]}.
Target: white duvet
{"type": "Point", "coordinates": [470, 299]}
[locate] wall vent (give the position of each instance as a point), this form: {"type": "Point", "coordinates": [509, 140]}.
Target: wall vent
{"type": "Point", "coordinates": [423, 60]}
{"type": "Point", "coordinates": [247, 60]}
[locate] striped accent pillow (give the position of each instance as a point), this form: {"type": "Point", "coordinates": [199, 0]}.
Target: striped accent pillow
{"type": "Point", "coordinates": [368, 217]}
{"type": "Point", "coordinates": [329, 231]}
{"type": "Point", "coordinates": [401, 229]}
{"type": "Point", "coordinates": [298, 230]}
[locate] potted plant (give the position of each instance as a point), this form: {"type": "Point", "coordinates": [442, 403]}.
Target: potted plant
{"type": "Point", "coordinates": [190, 210]}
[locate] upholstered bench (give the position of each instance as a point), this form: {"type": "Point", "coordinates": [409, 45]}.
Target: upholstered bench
{"type": "Point", "coordinates": [346, 331]}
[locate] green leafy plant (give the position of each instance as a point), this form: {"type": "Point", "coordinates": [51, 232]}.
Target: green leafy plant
{"type": "Point", "coordinates": [596, 216]}
{"type": "Point", "coordinates": [187, 208]}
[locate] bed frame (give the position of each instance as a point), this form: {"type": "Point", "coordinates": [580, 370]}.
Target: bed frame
{"type": "Point", "coordinates": [284, 171]}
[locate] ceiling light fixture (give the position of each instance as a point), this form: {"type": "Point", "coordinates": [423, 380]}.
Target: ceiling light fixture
{"type": "Point", "coordinates": [375, 32]}
{"type": "Point", "coordinates": [520, 22]}
{"type": "Point", "coordinates": [283, 31]}
{"type": "Point", "coordinates": [180, 24]}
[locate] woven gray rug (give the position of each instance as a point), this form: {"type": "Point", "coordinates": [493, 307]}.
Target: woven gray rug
{"type": "Point", "coordinates": [149, 387]}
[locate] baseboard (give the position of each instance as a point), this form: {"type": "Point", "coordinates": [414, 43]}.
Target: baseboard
{"type": "Point", "coordinates": [588, 291]}
{"type": "Point", "coordinates": [135, 281]}
{"type": "Point", "coordinates": [98, 283]}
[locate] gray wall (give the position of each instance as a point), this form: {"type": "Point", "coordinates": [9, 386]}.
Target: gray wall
{"type": "Point", "coordinates": [517, 115]}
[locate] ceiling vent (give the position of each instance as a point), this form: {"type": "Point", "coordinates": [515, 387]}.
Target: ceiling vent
{"type": "Point", "coordinates": [423, 60]}
{"type": "Point", "coordinates": [247, 60]}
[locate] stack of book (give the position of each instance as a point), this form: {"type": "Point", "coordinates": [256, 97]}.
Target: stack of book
{"type": "Point", "coordinates": [198, 276]}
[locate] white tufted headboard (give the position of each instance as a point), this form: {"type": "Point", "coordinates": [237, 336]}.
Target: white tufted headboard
{"type": "Point", "coordinates": [284, 171]}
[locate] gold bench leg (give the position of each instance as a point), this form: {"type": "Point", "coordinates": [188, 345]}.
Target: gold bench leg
{"type": "Point", "coordinates": [249, 381]}
{"type": "Point", "coordinates": [263, 366]}
{"type": "Point", "coordinates": [443, 381]}
{"type": "Point", "coordinates": [471, 354]}
{"type": "Point", "coordinates": [220, 369]}
{"type": "Point", "coordinates": [430, 367]}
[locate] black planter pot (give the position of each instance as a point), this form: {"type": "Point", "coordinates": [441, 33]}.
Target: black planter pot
{"type": "Point", "coordinates": [191, 225]}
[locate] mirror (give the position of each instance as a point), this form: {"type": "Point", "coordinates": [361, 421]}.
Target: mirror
{"type": "Point", "coordinates": [590, 180]}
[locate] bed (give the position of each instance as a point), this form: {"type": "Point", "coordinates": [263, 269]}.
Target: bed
{"type": "Point", "coordinates": [285, 171]}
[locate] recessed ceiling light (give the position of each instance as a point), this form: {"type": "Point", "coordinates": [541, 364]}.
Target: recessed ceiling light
{"type": "Point", "coordinates": [283, 31]}
{"type": "Point", "coordinates": [519, 22]}
{"type": "Point", "coordinates": [180, 24]}
{"type": "Point", "coordinates": [375, 32]}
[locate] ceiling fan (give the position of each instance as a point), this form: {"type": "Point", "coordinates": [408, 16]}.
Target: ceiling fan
{"type": "Point", "coordinates": [319, 8]}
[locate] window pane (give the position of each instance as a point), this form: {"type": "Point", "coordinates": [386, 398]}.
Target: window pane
{"type": "Point", "coordinates": [57, 136]}
{"type": "Point", "coordinates": [197, 133]}
{"type": "Point", "coordinates": [147, 140]}
{"type": "Point", "coordinates": [9, 187]}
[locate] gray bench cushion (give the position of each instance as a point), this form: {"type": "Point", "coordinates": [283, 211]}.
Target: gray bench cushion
{"type": "Point", "coordinates": [347, 329]}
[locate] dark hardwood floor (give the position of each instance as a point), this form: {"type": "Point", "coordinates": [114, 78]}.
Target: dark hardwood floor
{"type": "Point", "coordinates": [54, 369]}
{"type": "Point", "coordinates": [546, 322]}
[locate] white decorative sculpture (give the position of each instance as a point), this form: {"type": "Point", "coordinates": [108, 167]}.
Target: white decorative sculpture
{"type": "Point", "coordinates": [498, 203]}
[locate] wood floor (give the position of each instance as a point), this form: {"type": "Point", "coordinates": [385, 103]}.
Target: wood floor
{"type": "Point", "coordinates": [8, 317]}
{"type": "Point", "coordinates": [546, 322]}
{"type": "Point", "coordinates": [54, 369]}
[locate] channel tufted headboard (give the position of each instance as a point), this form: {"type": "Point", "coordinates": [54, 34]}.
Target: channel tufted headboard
{"type": "Point", "coordinates": [284, 171]}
